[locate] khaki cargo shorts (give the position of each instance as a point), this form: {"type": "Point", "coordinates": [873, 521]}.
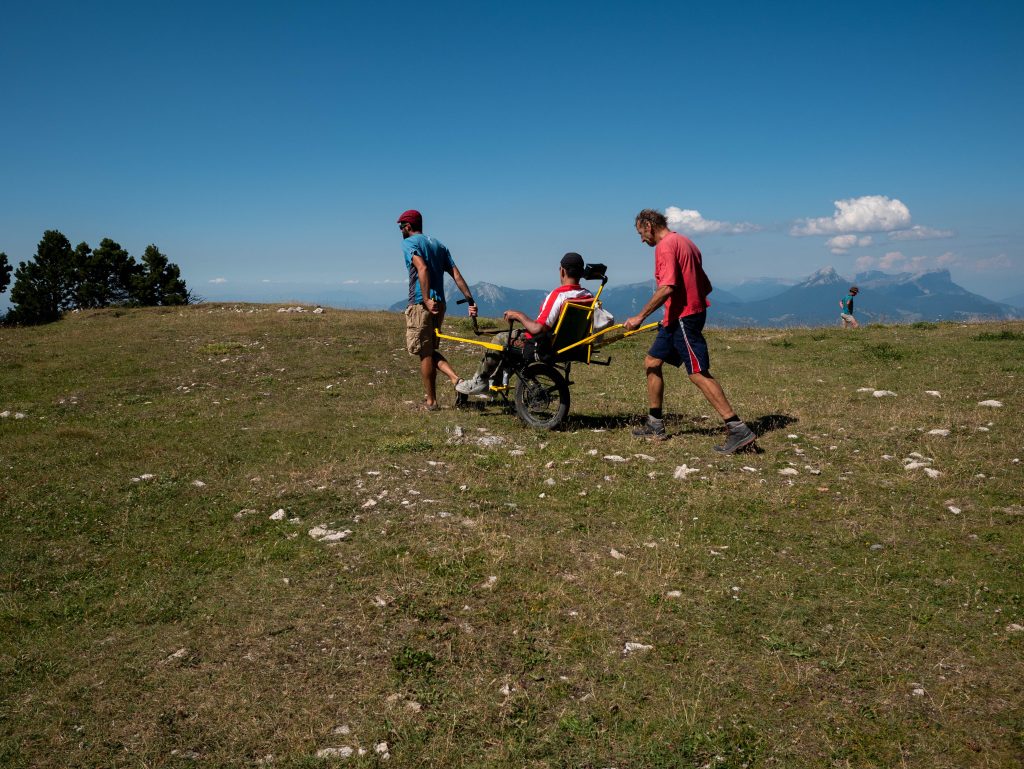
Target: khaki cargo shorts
{"type": "Point", "coordinates": [420, 324]}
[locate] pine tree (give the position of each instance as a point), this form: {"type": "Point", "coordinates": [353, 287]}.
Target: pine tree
{"type": "Point", "coordinates": [105, 276]}
{"type": "Point", "coordinates": [5, 272]}
{"type": "Point", "coordinates": [158, 281]}
{"type": "Point", "coordinates": [44, 287]}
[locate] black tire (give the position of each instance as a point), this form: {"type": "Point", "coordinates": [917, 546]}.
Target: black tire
{"type": "Point", "coordinates": [542, 396]}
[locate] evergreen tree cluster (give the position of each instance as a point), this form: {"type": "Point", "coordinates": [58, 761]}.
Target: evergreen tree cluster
{"type": "Point", "coordinates": [61, 278]}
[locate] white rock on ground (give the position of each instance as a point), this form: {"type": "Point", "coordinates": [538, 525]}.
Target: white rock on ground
{"type": "Point", "coordinates": [632, 647]}
{"type": "Point", "coordinates": [991, 404]}
{"type": "Point", "coordinates": [939, 431]}
{"type": "Point", "coordinates": [616, 554]}
{"type": "Point", "coordinates": [674, 594]}
{"type": "Point", "coordinates": [1013, 627]}
{"type": "Point", "coordinates": [884, 394]}
{"type": "Point", "coordinates": [381, 749]}
{"type": "Point", "coordinates": [178, 655]}
{"type": "Point", "coordinates": [683, 472]}
{"type": "Point", "coordinates": [343, 752]}
{"type": "Point", "coordinates": [278, 515]}
{"type": "Point", "coordinates": [789, 471]}
{"type": "Point", "coordinates": [931, 472]}
{"type": "Point", "coordinates": [933, 393]}
{"type": "Point", "coordinates": [615, 458]}
{"type": "Point", "coordinates": [323, 534]}
{"type": "Point", "coordinates": [865, 389]}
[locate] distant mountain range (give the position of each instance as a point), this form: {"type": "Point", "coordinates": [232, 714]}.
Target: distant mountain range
{"type": "Point", "coordinates": [1017, 300]}
{"type": "Point", "coordinates": [884, 298]}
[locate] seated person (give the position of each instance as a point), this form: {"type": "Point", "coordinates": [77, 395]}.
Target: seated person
{"type": "Point", "coordinates": [570, 271]}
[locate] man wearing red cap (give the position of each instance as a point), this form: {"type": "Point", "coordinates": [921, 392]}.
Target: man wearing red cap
{"type": "Point", "coordinates": [427, 260]}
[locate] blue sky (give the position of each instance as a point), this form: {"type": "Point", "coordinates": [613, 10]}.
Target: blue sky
{"type": "Point", "coordinates": [270, 147]}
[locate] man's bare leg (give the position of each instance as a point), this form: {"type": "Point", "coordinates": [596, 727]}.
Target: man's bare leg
{"type": "Point", "coordinates": [428, 373]}
{"type": "Point", "coordinates": [655, 382]}
{"type": "Point", "coordinates": [445, 367]}
{"type": "Point", "coordinates": [714, 394]}
{"type": "Point", "coordinates": [653, 427]}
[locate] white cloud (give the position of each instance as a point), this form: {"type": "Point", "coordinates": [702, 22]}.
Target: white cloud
{"type": "Point", "coordinates": [349, 282]}
{"type": "Point", "coordinates": [870, 213]}
{"type": "Point", "coordinates": [840, 244]}
{"type": "Point", "coordinates": [993, 264]}
{"type": "Point", "coordinates": [219, 280]}
{"type": "Point", "coordinates": [920, 232]}
{"type": "Point", "coordinates": [898, 261]}
{"type": "Point", "coordinates": [893, 260]}
{"type": "Point", "coordinates": [692, 223]}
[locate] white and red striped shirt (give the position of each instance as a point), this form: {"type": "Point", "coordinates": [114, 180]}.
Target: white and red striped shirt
{"type": "Point", "coordinates": [551, 307]}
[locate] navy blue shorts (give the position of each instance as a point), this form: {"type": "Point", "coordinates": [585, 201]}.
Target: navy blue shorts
{"type": "Point", "coordinates": [682, 341]}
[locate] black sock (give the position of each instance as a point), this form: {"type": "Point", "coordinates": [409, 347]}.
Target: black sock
{"type": "Point", "coordinates": [655, 413]}
{"type": "Point", "coordinates": [733, 420]}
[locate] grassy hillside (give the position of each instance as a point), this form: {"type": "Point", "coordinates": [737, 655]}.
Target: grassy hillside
{"type": "Point", "coordinates": [850, 613]}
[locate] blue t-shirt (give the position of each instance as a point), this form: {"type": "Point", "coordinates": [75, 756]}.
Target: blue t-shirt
{"type": "Point", "coordinates": [438, 259]}
{"type": "Point", "coordinates": [848, 304]}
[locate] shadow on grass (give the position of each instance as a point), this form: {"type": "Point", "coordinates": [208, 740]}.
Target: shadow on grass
{"type": "Point", "coordinates": [771, 422]}
{"type": "Point", "coordinates": [675, 424]}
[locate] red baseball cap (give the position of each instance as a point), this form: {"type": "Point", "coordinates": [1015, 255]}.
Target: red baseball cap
{"type": "Point", "coordinates": [413, 217]}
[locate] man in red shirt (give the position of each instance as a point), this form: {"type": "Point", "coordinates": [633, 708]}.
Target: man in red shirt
{"type": "Point", "coordinates": [683, 287]}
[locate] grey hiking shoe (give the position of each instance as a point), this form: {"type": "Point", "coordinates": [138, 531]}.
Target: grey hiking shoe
{"type": "Point", "coordinates": [652, 429]}
{"type": "Point", "coordinates": [473, 386]}
{"type": "Point", "coordinates": [740, 436]}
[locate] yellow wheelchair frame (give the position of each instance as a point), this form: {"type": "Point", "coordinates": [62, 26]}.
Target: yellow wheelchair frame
{"type": "Point", "coordinates": [542, 367]}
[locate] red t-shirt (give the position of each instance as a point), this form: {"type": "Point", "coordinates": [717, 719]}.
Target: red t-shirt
{"type": "Point", "coordinates": [677, 263]}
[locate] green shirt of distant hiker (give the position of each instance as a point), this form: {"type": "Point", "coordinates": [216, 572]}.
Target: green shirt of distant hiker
{"type": "Point", "coordinates": [846, 309]}
{"type": "Point", "coordinates": [427, 260]}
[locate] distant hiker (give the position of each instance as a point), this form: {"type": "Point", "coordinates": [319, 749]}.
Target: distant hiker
{"type": "Point", "coordinates": [427, 260]}
{"type": "Point", "coordinates": [570, 270]}
{"type": "Point", "coordinates": [846, 308]}
{"type": "Point", "coordinates": [682, 286]}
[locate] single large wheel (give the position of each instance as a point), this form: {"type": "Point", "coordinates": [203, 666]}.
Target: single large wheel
{"type": "Point", "coordinates": [542, 396]}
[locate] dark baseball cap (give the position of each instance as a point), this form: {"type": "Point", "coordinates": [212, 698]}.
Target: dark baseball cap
{"type": "Point", "coordinates": [413, 217]}
{"type": "Point", "coordinates": [571, 260]}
